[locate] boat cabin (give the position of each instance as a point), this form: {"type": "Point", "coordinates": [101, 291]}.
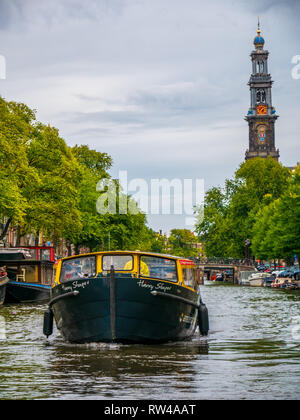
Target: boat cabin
{"type": "Point", "coordinates": [136, 264]}
{"type": "Point", "coordinates": [29, 264]}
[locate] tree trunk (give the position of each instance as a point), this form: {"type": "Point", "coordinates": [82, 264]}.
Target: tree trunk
{"type": "Point", "coordinates": [69, 248]}
{"type": "Point", "coordinates": [18, 241]}
{"type": "Point", "coordinates": [37, 237]}
{"type": "Point", "coordinates": [3, 234]}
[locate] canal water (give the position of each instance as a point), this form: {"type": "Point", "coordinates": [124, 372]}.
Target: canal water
{"type": "Point", "coordinates": [252, 352]}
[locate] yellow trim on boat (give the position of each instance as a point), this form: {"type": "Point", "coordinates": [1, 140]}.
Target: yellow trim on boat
{"type": "Point", "coordinates": [181, 264]}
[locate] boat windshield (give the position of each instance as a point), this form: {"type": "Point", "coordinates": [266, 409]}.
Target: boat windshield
{"type": "Point", "coordinates": [158, 268]}
{"type": "Point", "coordinates": [189, 277]}
{"type": "Point", "coordinates": [119, 262]}
{"type": "Point", "coordinates": [80, 267]}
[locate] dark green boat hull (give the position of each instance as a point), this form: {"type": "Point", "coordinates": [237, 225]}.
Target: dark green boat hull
{"type": "Point", "coordinates": [3, 285]}
{"type": "Point", "coordinates": [22, 292]}
{"type": "Point", "coordinates": [127, 310]}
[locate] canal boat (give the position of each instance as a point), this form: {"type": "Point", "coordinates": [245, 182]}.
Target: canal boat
{"type": "Point", "coordinates": [126, 297]}
{"type": "Point", "coordinates": [257, 279]}
{"type": "Point", "coordinates": [268, 281]}
{"type": "Point", "coordinates": [243, 278]}
{"type": "Point", "coordinates": [3, 283]}
{"type": "Point", "coordinates": [294, 285]}
{"type": "Point", "coordinates": [30, 273]}
{"type": "Point", "coordinates": [282, 283]}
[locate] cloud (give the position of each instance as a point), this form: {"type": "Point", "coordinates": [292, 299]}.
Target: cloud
{"type": "Point", "coordinates": [161, 86]}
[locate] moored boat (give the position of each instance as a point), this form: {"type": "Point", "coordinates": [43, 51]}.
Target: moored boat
{"type": "Point", "coordinates": [257, 279]}
{"type": "Point", "coordinates": [3, 284]}
{"type": "Point", "coordinates": [30, 273]}
{"type": "Point", "coordinates": [243, 278]}
{"type": "Point", "coordinates": [126, 297]}
{"type": "Point", "coordinates": [268, 281]}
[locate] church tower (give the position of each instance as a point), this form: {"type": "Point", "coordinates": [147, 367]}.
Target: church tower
{"type": "Point", "coordinates": [261, 116]}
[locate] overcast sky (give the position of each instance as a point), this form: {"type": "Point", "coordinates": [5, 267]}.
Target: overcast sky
{"type": "Point", "coordinates": [160, 85]}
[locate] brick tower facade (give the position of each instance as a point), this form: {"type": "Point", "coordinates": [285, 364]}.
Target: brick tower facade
{"type": "Point", "coordinates": [262, 115]}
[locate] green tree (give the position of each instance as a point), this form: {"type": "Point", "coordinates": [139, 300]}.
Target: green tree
{"type": "Point", "coordinates": [276, 232]}
{"type": "Point", "coordinates": [230, 213]}
{"type": "Point", "coordinates": [96, 162]}
{"type": "Point", "coordinates": [212, 229]}
{"type": "Point", "coordinates": [107, 230]}
{"type": "Point", "coordinates": [183, 242]}
{"type": "Point", "coordinates": [54, 199]}
{"type": "Point", "coordinates": [39, 176]}
{"type": "Point", "coordinates": [15, 173]}
{"type": "Point", "coordinates": [158, 243]}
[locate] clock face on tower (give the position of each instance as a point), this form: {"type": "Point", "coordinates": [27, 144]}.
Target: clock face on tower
{"type": "Point", "coordinates": [261, 109]}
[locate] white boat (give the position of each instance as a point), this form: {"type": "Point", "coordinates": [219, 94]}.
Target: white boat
{"type": "Point", "coordinates": [257, 279]}
{"type": "Point", "coordinates": [243, 278]}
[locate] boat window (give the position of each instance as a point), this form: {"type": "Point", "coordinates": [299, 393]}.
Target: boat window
{"type": "Point", "coordinates": [45, 255]}
{"type": "Point", "coordinates": [28, 274]}
{"type": "Point", "coordinates": [77, 268]}
{"type": "Point", "coordinates": [30, 254]}
{"type": "Point", "coordinates": [46, 275]}
{"type": "Point", "coordinates": [158, 268]}
{"type": "Point", "coordinates": [120, 262]}
{"type": "Point", "coordinates": [189, 276]}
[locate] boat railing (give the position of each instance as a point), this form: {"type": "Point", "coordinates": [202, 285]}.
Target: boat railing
{"type": "Point", "coordinates": [21, 277]}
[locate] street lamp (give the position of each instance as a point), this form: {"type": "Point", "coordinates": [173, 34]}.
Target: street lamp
{"type": "Point", "coordinates": [247, 250]}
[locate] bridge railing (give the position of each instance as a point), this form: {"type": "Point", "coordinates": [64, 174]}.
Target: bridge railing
{"type": "Point", "coordinates": [224, 261]}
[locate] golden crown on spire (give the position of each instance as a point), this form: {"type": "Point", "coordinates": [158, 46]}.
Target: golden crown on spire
{"type": "Point", "coordinates": [259, 40]}
{"type": "Point", "coordinates": [258, 26]}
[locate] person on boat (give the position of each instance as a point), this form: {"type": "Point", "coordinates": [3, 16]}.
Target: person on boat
{"type": "Point", "coordinates": [144, 268]}
{"type": "Point", "coordinates": [3, 271]}
{"type": "Point", "coordinates": [71, 271]}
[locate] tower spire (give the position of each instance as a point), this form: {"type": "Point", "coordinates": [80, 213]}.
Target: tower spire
{"type": "Point", "coordinates": [258, 40]}
{"type": "Point", "coordinates": [262, 115]}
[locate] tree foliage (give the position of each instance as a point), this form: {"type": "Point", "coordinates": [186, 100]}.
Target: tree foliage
{"type": "Point", "coordinates": [51, 188]}
{"type": "Point", "coordinates": [276, 232]}
{"type": "Point", "coordinates": [244, 209]}
{"type": "Point", "coordinates": [183, 242]}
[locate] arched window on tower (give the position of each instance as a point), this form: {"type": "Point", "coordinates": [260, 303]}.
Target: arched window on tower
{"type": "Point", "coordinates": [260, 67]}
{"type": "Point", "coordinates": [260, 96]}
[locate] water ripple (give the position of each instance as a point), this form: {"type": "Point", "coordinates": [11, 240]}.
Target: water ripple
{"type": "Point", "coordinates": [250, 353]}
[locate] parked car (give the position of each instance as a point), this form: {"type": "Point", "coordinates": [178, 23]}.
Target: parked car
{"type": "Point", "coordinates": [296, 275]}
{"type": "Point", "coordinates": [277, 271]}
{"type": "Point", "coordinates": [228, 274]}
{"type": "Point", "coordinates": [288, 272]}
{"type": "Point", "coordinates": [219, 277]}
